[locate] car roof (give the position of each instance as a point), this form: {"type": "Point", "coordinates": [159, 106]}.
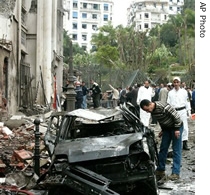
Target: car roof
{"type": "Point", "coordinates": [95, 115]}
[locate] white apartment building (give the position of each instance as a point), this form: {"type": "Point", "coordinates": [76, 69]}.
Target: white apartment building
{"type": "Point", "coordinates": [83, 18]}
{"type": "Point", "coordinates": [146, 14]}
{"type": "Point", "coordinates": [175, 6]}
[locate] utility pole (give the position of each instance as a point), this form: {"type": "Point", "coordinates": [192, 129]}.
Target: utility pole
{"type": "Point", "coordinates": [70, 94]}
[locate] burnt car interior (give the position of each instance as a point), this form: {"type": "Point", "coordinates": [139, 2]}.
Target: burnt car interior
{"type": "Point", "coordinates": [81, 129]}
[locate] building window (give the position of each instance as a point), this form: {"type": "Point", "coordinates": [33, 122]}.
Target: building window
{"type": "Point", "coordinates": [84, 15]}
{"type": "Point", "coordinates": [178, 8]}
{"type": "Point", "coordinates": [23, 37]}
{"type": "Point", "coordinates": [84, 47]}
{"type": "Point", "coordinates": [96, 6]}
{"type": "Point", "coordinates": [84, 26]}
{"type": "Point", "coordinates": [84, 37]}
{"type": "Point", "coordinates": [146, 15]}
{"type": "Point", "coordinates": [75, 5]}
{"type": "Point", "coordinates": [106, 7]}
{"type": "Point", "coordinates": [74, 26]}
{"type": "Point", "coordinates": [154, 4]}
{"type": "Point", "coordinates": [146, 25]}
{"type": "Point", "coordinates": [75, 15]}
{"type": "Point", "coordinates": [23, 17]}
{"type": "Point", "coordinates": [94, 16]}
{"type": "Point", "coordinates": [140, 16]}
{"type": "Point", "coordinates": [165, 17]}
{"type": "Point", "coordinates": [171, 8]}
{"type": "Point", "coordinates": [94, 27]}
{"type": "Point", "coordinates": [139, 26]}
{"type": "Point", "coordinates": [105, 17]}
{"type": "Point", "coordinates": [85, 5]}
{"type": "Point", "coordinates": [74, 37]}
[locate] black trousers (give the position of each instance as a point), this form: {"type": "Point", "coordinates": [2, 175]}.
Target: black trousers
{"type": "Point", "coordinates": [96, 100]}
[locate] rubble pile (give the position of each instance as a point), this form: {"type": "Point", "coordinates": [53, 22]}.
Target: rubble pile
{"type": "Point", "coordinates": [17, 144]}
{"type": "Point", "coordinates": [36, 109]}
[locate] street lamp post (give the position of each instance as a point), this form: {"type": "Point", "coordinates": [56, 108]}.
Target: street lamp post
{"type": "Point", "coordinates": [70, 94]}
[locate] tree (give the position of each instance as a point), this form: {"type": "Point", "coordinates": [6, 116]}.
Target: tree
{"type": "Point", "coordinates": [107, 55]}
{"type": "Point", "coordinates": [160, 56]}
{"type": "Point", "coordinates": [168, 36]}
{"type": "Point", "coordinates": [106, 36]}
{"type": "Point", "coordinates": [66, 47]}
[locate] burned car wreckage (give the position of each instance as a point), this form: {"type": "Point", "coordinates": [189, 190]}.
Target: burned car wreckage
{"type": "Point", "coordinates": [100, 152]}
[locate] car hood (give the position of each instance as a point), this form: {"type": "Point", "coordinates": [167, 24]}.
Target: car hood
{"type": "Point", "coordinates": [83, 149]}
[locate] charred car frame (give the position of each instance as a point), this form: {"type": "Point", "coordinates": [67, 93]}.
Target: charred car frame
{"type": "Point", "coordinates": [100, 152]}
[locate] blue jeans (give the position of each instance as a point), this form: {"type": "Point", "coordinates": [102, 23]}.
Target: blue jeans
{"type": "Point", "coordinates": [168, 136]}
{"type": "Point", "coordinates": [84, 102]}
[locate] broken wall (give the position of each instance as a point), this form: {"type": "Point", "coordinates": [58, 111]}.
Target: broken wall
{"type": "Point", "coordinates": [8, 57]}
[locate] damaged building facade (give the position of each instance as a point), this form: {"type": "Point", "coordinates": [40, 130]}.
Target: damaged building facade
{"type": "Point", "coordinates": [31, 53]}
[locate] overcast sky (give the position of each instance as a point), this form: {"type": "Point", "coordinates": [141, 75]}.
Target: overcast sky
{"type": "Point", "coordinates": [120, 12]}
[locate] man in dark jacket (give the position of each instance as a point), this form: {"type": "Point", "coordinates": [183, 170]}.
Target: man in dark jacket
{"type": "Point", "coordinates": [172, 128]}
{"type": "Point", "coordinates": [96, 92]}
{"type": "Point", "coordinates": [79, 95]}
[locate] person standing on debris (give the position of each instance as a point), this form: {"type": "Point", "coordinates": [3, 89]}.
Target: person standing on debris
{"type": "Point", "coordinates": [96, 93]}
{"type": "Point", "coordinates": [85, 92]}
{"type": "Point", "coordinates": [178, 98]}
{"type": "Point", "coordinates": [79, 95]}
{"type": "Point", "coordinates": [172, 128]}
{"type": "Point", "coordinates": [115, 96]}
{"type": "Point", "coordinates": [145, 92]}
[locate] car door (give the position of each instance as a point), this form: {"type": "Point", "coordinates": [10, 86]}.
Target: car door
{"type": "Point", "coordinates": [52, 133]}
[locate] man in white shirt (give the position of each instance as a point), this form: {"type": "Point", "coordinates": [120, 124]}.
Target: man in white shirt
{"type": "Point", "coordinates": [145, 92]}
{"type": "Point", "coordinates": [178, 98]}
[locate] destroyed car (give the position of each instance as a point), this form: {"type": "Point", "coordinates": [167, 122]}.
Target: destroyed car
{"type": "Point", "coordinates": [103, 151]}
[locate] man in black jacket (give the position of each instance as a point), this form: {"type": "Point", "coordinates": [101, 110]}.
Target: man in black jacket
{"type": "Point", "coordinates": [96, 92]}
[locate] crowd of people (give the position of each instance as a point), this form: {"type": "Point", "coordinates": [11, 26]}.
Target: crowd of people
{"type": "Point", "coordinates": [133, 94]}
{"type": "Point", "coordinates": [169, 104]}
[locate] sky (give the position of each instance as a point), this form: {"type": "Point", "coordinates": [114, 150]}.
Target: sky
{"type": "Point", "coordinates": [120, 12]}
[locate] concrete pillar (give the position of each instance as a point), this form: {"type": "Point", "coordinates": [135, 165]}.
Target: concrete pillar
{"type": "Point", "coordinates": [44, 50]}
{"type": "Point", "coordinates": [39, 49]}
{"type": "Point", "coordinates": [47, 48]}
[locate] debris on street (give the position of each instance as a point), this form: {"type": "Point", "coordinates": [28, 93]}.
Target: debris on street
{"type": "Point", "coordinates": [17, 142]}
{"type": "Point", "coordinates": [17, 145]}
